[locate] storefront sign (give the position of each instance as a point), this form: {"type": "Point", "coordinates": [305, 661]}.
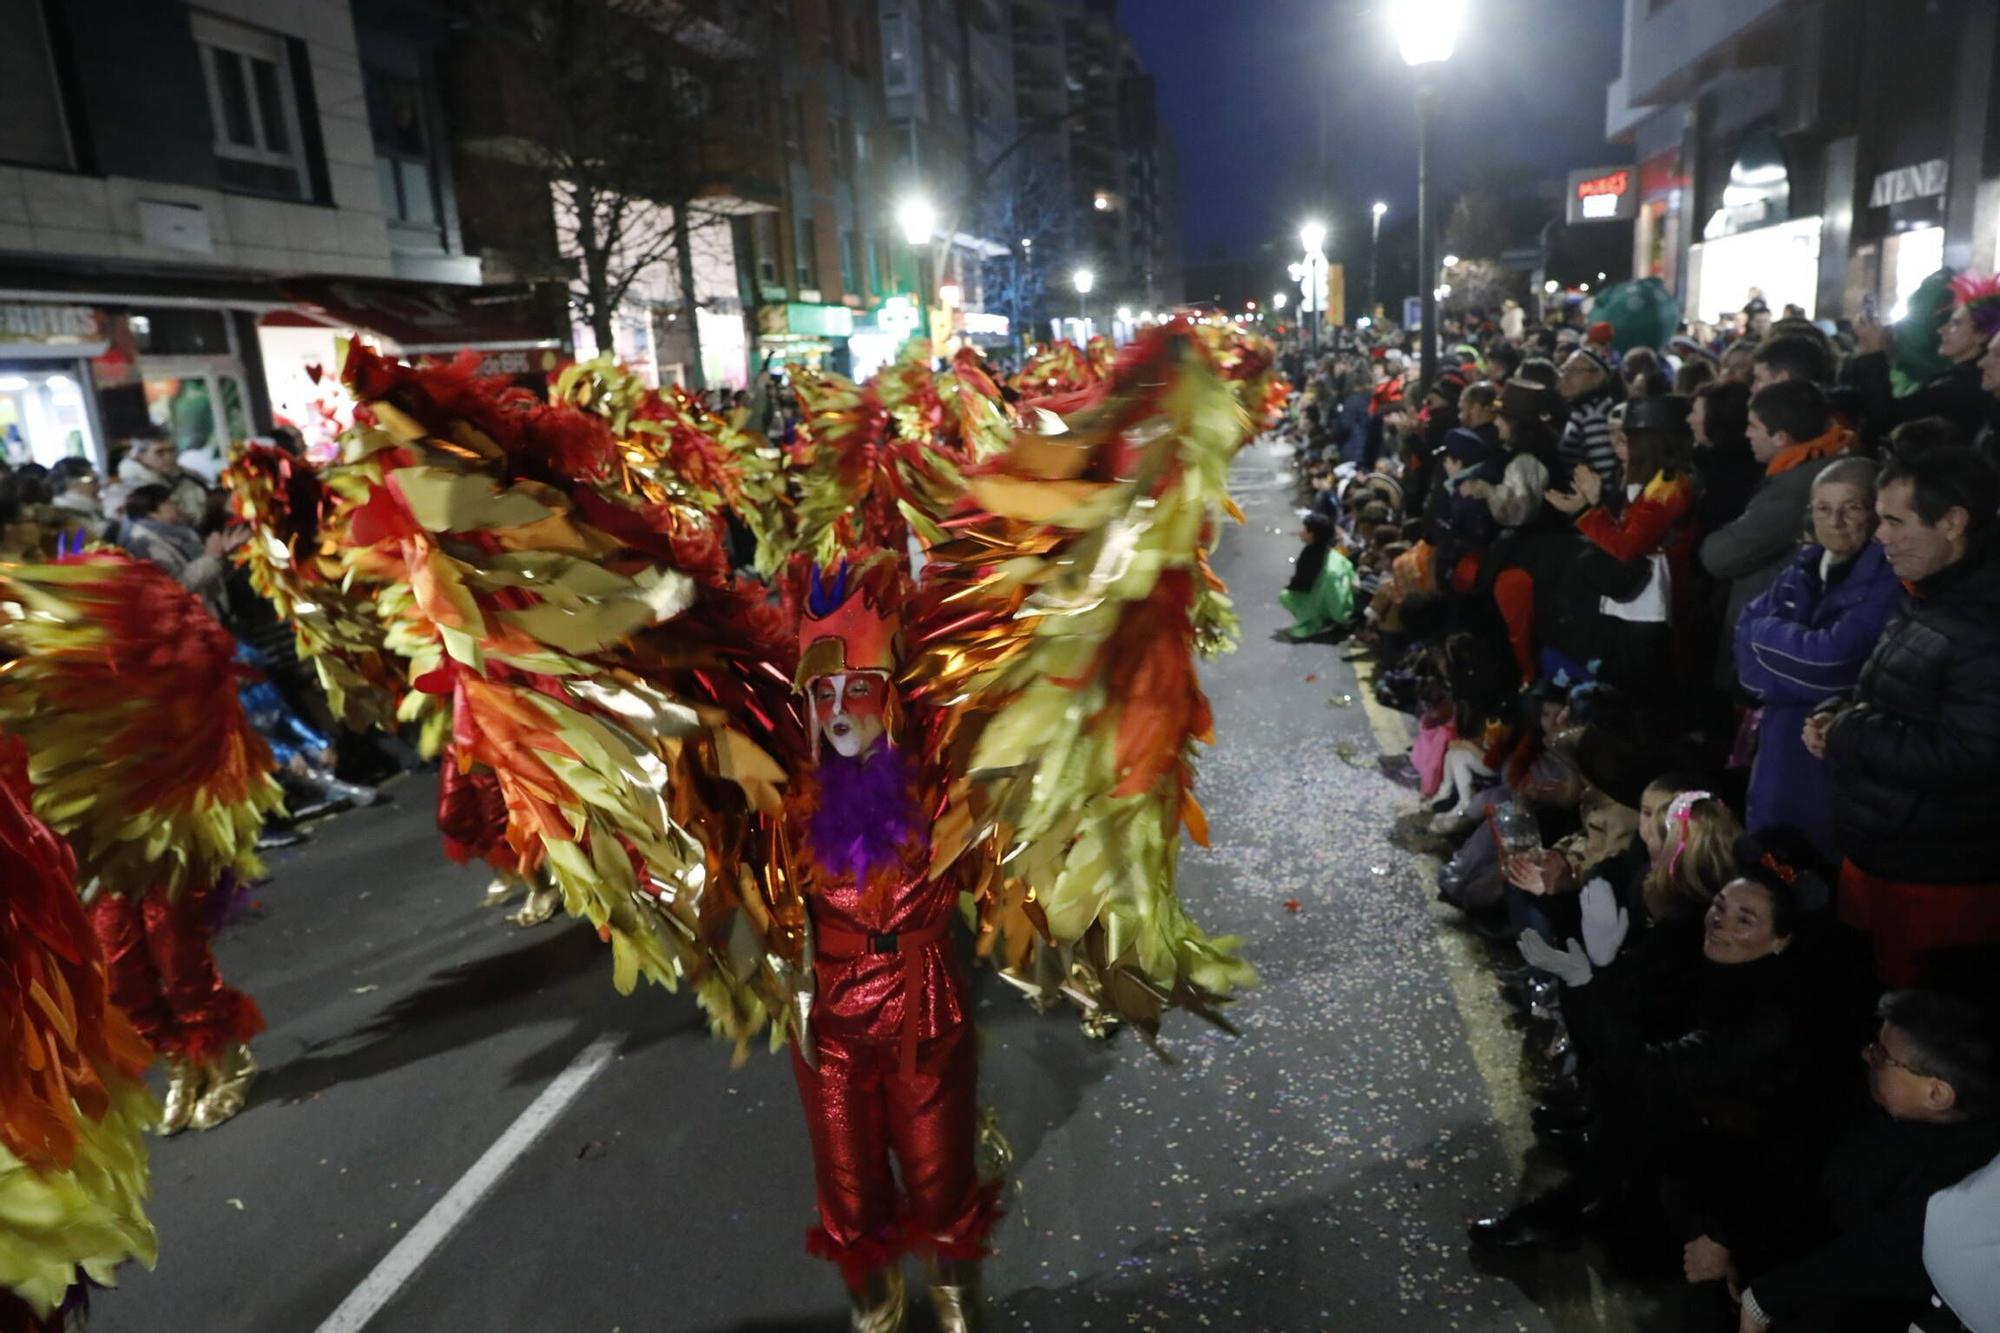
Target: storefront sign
{"type": "Point", "coordinates": [49, 324]}
{"type": "Point", "coordinates": [800, 319]}
{"type": "Point", "coordinates": [983, 324]}
{"type": "Point", "coordinates": [1907, 183]}
{"type": "Point", "coordinates": [1601, 194]}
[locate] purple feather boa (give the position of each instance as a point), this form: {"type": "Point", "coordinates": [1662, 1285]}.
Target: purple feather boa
{"type": "Point", "coordinates": [867, 812]}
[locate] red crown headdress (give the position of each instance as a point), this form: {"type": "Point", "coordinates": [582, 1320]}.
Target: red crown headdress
{"type": "Point", "coordinates": [846, 631]}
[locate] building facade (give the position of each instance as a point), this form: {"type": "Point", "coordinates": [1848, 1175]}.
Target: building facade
{"type": "Point", "coordinates": [1830, 154]}
{"type": "Point", "coordinates": [162, 169]}
{"type": "Point", "coordinates": [1088, 111]}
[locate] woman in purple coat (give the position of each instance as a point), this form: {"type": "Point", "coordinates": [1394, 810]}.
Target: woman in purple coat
{"type": "Point", "coordinates": [1804, 640]}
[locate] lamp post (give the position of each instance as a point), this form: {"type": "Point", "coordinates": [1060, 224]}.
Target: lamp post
{"type": "Point", "coordinates": [1426, 32]}
{"type": "Point", "coordinates": [1374, 236]}
{"type": "Point", "coordinates": [917, 220]}
{"type": "Point", "coordinates": [1083, 280]}
{"type": "Point", "coordinates": [1312, 277]}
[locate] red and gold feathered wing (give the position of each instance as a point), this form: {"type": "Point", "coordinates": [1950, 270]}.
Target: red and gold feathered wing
{"type": "Point", "coordinates": [73, 1177]}
{"type": "Point", "coordinates": [124, 689]}
{"type": "Point", "coordinates": [1053, 649]}
{"type": "Point", "coordinates": [600, 660]}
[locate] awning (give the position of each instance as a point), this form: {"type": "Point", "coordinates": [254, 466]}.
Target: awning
{"type": "Point", "coordinates": [421, 317]}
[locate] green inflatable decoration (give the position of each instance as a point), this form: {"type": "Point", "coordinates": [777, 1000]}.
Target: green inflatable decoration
{"type": "Point", "coordinates": [1641, 314]}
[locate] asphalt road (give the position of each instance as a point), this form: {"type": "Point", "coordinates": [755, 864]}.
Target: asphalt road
{"type": "Point", "coordinates": [1313, 1172]}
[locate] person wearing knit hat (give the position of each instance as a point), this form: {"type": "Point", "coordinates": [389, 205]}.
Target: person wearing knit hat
{"type": "Point", "coordinates": [1591, 386]}
{"type": "Point", "coordinates": [1956, 395]}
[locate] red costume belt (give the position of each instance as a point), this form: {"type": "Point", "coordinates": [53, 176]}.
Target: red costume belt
{"type": "Point", "coordinates": [836, 945]}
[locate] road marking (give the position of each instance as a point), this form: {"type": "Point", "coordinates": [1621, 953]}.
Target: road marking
{"type": "Point", "coordinates": [401, 1264]}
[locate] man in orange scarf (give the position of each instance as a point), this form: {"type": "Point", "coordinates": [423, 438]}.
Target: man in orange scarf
{"type": "Point", "coordinates": [1793, 435]}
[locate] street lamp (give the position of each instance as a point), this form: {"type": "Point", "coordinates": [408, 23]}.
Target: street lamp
{"type": "Point", "coordinates": [1312, 277]}
{"type": "Point", "coordinates": [917, 219]}
{"type": "Point", "coordinates": [1374, 235]}
{"type": "Point", "coordinates": [1083, 280]}
{"type": "Point", "coordinates": [1426, 33]}
{"type": "Point", "coordinates": [918, 222]}
{"type": "Point", "coordinates": [1277, 300]}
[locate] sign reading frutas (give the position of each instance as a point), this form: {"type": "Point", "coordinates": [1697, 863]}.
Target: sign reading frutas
{"type": "Point", "coordinates": [1602, 194]}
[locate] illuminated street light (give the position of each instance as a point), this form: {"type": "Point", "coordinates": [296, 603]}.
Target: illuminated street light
{"type": "Point", "coordinates": [1124, 314]}
{"type": "Point", "coordinates": [1451, 261]}
{"type": "Point", "coordinates": [1312, 236]}
{"type": "Point", "coordinates": [1427, 34]}
{"type": "Point", "coordinates": [1379, 209]}
{"type": "Point", "coordinates": [1277, 300]}
{"type": "Point", "coordinates": [1083, 280]}
{"type": "Point", "coordinates": [917, 219]}
{"type": "Point", "coordinates": [1551, 286]}
{"type": "Point", "coordinates": [1583, 286]}
{"type": "Point", "coordinates": [1427, 30]}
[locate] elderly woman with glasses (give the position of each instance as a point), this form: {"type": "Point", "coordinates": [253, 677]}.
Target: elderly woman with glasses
{"type": "Point", "coordinates": [1804, 640]}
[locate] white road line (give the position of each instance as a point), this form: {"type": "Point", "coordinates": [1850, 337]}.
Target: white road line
{"type": "Point", "coordinates": [401, 1264]}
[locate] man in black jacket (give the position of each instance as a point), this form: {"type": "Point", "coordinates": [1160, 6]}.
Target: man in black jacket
{"type": "Point", "coordinates": [1915, 758]}
{"type": "Point", "coordinates": [1931, 1074]}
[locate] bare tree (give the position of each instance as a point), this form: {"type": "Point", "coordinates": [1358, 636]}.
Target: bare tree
{"type": "Point", "coordinates": [1024, 201]}
{"type": "Point", "coordinates": [624, 113]}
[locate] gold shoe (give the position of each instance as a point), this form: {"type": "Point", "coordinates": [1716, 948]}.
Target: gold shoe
{"type": "Point", "coordinates": [542, 903]}
{"type": "Point", "coordinates": [880, 1305]}
{"type": "Point", "coordinates": [955, 1297]}
{"type": "Point", "coordinates": [226, 1095]}
{"type": "Point", "coordinates": [185, 1080]}
{"type": "Point", "coordinates": [500, 889]}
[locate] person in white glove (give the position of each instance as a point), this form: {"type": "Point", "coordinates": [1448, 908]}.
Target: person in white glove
{"type": "Point", "coordinates": [1725, 1045]}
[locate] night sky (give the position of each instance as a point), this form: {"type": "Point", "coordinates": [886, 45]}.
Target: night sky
{"type": "Point", "coordinates": [1239, 81]}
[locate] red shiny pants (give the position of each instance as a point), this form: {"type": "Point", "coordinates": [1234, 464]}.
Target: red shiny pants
{"type": "Point", "coordinates": [164, 976]}
{"type": "Point", "coordinates": [861, 1107]}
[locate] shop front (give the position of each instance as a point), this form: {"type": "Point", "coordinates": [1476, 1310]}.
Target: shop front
{"type": "Point", "coordinates": [1751, 246]}
{"type": "Point", "coordinates": [47, 411]}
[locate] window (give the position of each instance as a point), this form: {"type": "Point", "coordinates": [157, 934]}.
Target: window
{"type": "Point", "coordinates": [252, 107]}
{"type": "Point", "coordinates": [804, 260]}
{"type": "Point", "coordinates": [860, 148]}
{"type": "Point", "coordinates": [848, 266]}
{"type": "Point", "coordinates": [397, 119]}
{"type": "Point", "coordinates": [872, 248]}
{"type": "Point", "coordinates": [32, 132]}
{"type": "Point", "coordinates": [764, 244]}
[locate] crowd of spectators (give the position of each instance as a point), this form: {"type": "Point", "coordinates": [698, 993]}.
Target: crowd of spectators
{"type": "Point", "coordinates": [1702, 647]}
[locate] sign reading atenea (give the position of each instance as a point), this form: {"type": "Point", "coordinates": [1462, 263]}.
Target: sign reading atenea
{"type": "Point", "coordinates": [1903, 184]}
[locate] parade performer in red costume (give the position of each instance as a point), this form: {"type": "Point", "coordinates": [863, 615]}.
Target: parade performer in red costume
{"type": "Point", "coordinates": [780, 803]}
{"type": "Point", "coordinates": [888, 1065]}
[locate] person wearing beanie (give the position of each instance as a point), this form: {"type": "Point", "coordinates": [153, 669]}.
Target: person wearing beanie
{"type": "Point", "coordinates": [1591, 386]}
{"type": "Point", "coordinates": [1956, 395]}
{"type": "Point", "coordinates": [1423, 478]}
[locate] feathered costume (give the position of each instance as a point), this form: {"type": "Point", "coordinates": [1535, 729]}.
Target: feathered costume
{"type": "Point", "coordinates": [123, 689]}
{"type": "Point", "coordinates": [73, 1180]}
{"type": "Point", "coordinates": [655, 726]}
